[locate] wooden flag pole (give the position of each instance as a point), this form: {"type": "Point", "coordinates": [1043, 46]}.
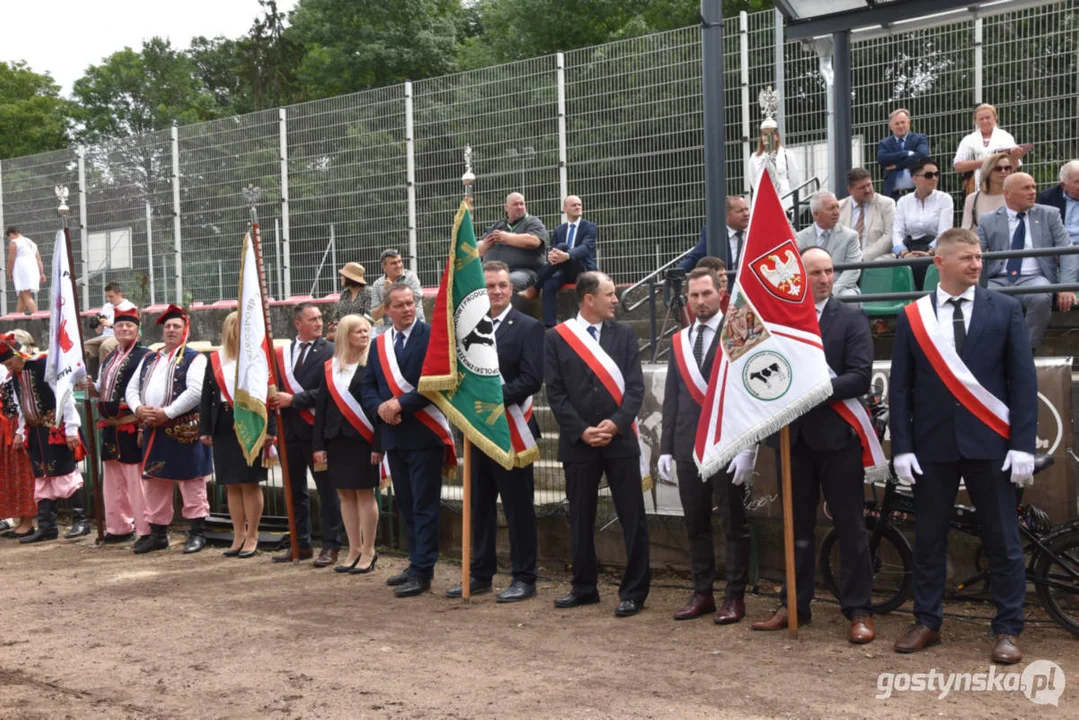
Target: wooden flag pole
{"type": "Point", "coordinates": [252, 195]}
{"type": "Point", "coordinates": [466, 524]}
{"type": "Point", "coordinates": [788, 530]}
{"type": "Point", "coordinates": [88, 408]}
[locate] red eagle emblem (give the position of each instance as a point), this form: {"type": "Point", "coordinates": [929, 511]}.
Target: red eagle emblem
{"type": "Point", "coordinates": [65, 339]}
{"type": "Point", "coordinates": [780, 272]}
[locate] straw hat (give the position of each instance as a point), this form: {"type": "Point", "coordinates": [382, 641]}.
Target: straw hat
{"type": "Point", "coordinates": [354, 272]}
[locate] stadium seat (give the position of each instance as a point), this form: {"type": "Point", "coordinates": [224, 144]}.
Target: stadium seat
{"type": "Point", "coordinates": [886, 280]}
{"type": "Point", "coordinates": [932, 279]}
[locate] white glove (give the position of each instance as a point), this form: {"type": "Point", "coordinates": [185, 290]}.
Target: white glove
{"type": "Point", "coordinates": [1022, 467]}
{"type": "Point", "coordinates": [742, 467]}
{"type": "Point", "coordinates": [664, 466]}
{"type": "Point", "coordinates": [905, 467]}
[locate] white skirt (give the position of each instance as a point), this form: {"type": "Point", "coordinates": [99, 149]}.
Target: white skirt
{"type": "Point", "coordinates": [25, 275]}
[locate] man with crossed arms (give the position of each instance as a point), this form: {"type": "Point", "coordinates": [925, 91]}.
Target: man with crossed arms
{"type": "Point", "coordinates": [966, 338]}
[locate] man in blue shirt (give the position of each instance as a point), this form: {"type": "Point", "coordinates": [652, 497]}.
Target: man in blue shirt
{"type": "Point", "coordinates": [1065, 198]}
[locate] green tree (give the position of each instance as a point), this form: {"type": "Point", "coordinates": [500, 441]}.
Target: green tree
{"type": "Point", "coordinates": [33, 116]}
{"type": "Point", "coordinates": [354, 45]}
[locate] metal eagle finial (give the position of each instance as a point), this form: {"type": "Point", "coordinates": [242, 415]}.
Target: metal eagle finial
{"type": "Point", "coordinates": [62, 195]}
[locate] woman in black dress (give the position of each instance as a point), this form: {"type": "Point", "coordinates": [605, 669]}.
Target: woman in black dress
{"type": "Point", "coordinates": [346, 441]}
{"type": "Point", "coordinates": [217, 430]}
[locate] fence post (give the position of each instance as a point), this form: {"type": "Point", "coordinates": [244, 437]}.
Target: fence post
{"type": "Point", "coordinates": [743, 54]}
{"type": "Point", "coordinates": [333, 256]}
{"type": "Point", "coordinates": [281, 294]}
{"type": "Point", "coordinates": [150, 248]}
{"type": "Point", "coordinates": [84, 232]}
{"type": "Point", "coordinates": [563, 170]}
{"type": "Point", "coordinates": [780, 71]}
{"type": "Point", "coordinates": [177, 243]}
{"type": "Point", "coordinates": [286, 261]}
{"type": "Point", "coordinates": [3, 280]}
{"type": "Point", "coordinates": [979, 61]}
{"type": "Point", "coordinates": [410, 180]}
{"type": "Point", "coordinates": [715, 132]}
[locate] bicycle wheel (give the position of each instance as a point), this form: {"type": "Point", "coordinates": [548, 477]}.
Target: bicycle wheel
{"type": "Point", "coordinates": [1056, 577]}
{"type": "Point", "coordinates": [893, 566]}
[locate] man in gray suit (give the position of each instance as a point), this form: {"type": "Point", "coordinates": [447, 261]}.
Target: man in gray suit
{"type": "Point", "coordinates": [869, 214]}
{"type": "Point", "coordinates": [840, 242]}
{"type": "Point", "coordinates": [1023, 224]}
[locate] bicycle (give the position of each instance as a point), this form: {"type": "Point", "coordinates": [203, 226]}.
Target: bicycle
{"type": "Point", "coordinates": [1053, 550]}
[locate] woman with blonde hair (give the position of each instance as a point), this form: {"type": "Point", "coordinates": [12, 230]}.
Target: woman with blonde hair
{"type": "Point", "coordinates": [346, 442]}
{"type": "Point", "coordinates": [990, 193]}
{"type": "Point", "coordinates": [217, 429]}
{"type": "Point", "coordinates": [987, 139]}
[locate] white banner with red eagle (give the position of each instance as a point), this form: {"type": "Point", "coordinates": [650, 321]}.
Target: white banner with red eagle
{"type": "Point", "coordinates": [64, 366]}
{"type": "Point", "coordinates": [770, 367]}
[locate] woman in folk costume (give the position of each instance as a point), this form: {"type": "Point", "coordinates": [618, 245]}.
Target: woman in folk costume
{"type": "Point", "coordinates": [217, 430]}
{"type": "Point", "coordinates": [51, 433]}
{"type": "Point", "coordinates": [346, 441]}
{"type": "Point", "coordinates": [164, 394]}
{"type": "Point", "coordinates": [16, 477]}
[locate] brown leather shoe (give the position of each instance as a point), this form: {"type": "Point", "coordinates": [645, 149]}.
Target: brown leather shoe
{"type": "Point", "coordinates": [730, 612]}
{"type": "Point", "coordinates": [286, 557]}
{"type": "Point", "coordinates": [1006, 650]}
{"type": "Point", "coordinates": [777, 621]}
{"type": "Point", "coordinates": [699, 604]}
{"type": "Point", "coordinates": [528, 293]}
{"type": "Point", "coordinates": [917, 638]}
{"type": "Point", "coordinates": [327, 557]}
{"type": "Point", "coordinates": [862, 630]}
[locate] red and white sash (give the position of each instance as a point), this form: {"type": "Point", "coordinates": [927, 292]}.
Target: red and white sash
{"type": "Point", "coordinates": [337, 384]}
{"type": "Point", "coordinates": [604, 367]}
{"type": "Point", "coordinates": [291, 385]}
{"type": "Point", "coordinates": [687, 367]}
{"type": "Point", "coordinates": [951, 369]}
{"type": "Point", "coordinates": [521, 436]}
{"type": "Point", "coordinates": [217, 363]}
{"type": "Point", "coordinates": [430, 415]}
{"type": "Point", "coordinates": [857, 417]}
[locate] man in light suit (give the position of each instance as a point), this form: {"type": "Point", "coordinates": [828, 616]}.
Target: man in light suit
{"type": "Point", "coordinates": [1065, 198]}
{"type": "Point", "coordinates": [840, 242]}
{"type": "Point", "coordinates": [897, 152]}
{"type": "Point", "coordinates": [573, 251]}
{"type": "Point", "coordinates": [940, 436]}
{"type": "Point", "coordinates": [1023, 224]}
{"type": "Point", "coordinates": [869, 214]}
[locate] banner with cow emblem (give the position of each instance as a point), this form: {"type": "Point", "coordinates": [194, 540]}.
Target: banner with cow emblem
{"type": "Point", "coordinates": [460, 373]}
{"type": "Point", "coordinates": [771, 368]}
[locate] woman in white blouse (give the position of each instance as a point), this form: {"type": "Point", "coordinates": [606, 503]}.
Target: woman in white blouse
{"type": "Point", "coordinates": [986, 140]}
{"type": "Point", "coordinates": [990, 194]}
{"type": "Point", "coordinates": [785, 171]}
{"type": "Point", "coordinates": [921, 216]}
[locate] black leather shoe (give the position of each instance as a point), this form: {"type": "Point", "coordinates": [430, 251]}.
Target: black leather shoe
{"type": "Point", "coordinates": [232, 553]}
{"type": "Point", "coordinates": [399, 579]}
{"type": "Point", "coordinates": [112, 539]}
{"type": "Point", "coordinates": [42, 533]}
{"type": "Point", "coordinates": [194, 544]}
{"type": "Point", "coordinates": [571, 601]}
{"type": "Point", "coordinates": [628, 608]}
{"type": "Point", "coordinates": [79, 524]}
{"type": "Point", "coordinates": [476, 587]}
{"type": "Point", "coordinates": [158, 539]}
{"type": "Point", "coordinates": [517, 591]}
{"type": "Point", "coordinates": [413, 586]}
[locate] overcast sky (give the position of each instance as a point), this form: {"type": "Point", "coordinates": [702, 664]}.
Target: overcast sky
{"type": "Point", "coordinates": [63, 37]}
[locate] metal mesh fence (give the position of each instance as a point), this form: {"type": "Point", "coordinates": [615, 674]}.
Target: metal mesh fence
{"type": "Point", "coordinates": [619, 124]}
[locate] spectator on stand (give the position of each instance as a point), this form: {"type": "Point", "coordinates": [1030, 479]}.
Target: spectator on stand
{"type": "Point", "coordinates": [987, 139]}
{"type": "Point", "coordinates": [393, 269]}
{"type": "Point", "coordinates": [1065, 198]}
{"type": "Point", "coordinates": [868, 213]}
{"type": "Point", "coordinates": [898, 152]}
{"type": "Point", "coordinates": [990, 193]}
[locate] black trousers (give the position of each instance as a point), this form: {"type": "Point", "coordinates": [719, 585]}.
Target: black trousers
{"type": "Point", "coordinates": [517, 488]}
{"type": "Point", "coordinates": [994, 498]}
{"type": "Point", "coordinates": [582, 490]}
{"type": "Point", "coordinates": [299, 462]}
{"type": "Point", "coordinates": [417, 487]}
{"type": "Point", "coordinates": [698, 497]}
{"type": "Point", "coordinates": [841, 477]}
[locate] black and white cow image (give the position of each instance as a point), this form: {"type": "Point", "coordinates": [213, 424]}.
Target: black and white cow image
{"type": "Point", "coordinates": [483, 333]}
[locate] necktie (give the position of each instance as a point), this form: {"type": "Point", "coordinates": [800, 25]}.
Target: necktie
{"type": "Point", "coordinates": [593, 332]}
{"type": "Point", "coordinates": [698, 345]}
{"type": "Point", "coordinates": [903, 143]}
{"type": "Point", "coordinates": [860, 225]}
{"type": "Point", "coordinates": [399, 344]}
{"type": "Point", "coordinates": [1019, 239]}
{"type": "Point", "coordinates": [571, 236]}
{"type": "Point", "coordinates": [958, 325]}
{"type": "Point", "coordinates": [738, 237]}
{"type": "Point", "coordinates": [824, 237]}
{"type": "Point", "coordinates": [303, 356]}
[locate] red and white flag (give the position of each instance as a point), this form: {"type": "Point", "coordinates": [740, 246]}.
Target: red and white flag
{"type": "Point", "coordinates": [770, 367]}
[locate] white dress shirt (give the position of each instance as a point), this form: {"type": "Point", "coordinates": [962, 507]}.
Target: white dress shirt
{"type": "Point", "coordinates": [1030, 265]}
{"type": "Point", "coordinates": [597, 326]}
{"type": "Point", "coordinates": [709, 327]}
{"type": "Point", "coordinates": [919, 218]}
{"type": "Point", "coordinates": [946, 311]}
{"type": "Point", "coordinates": [157, 384]}
{"type": "Point", "coordinates": [820, 306]}
{"type": "Point", "coordinates": [501, 317]}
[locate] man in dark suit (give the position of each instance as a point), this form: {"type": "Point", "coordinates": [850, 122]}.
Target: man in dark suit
{"type": "Point", "coordinates": [416, 453]}
{"type": "Point", "coordinates": [305, 357]}
{"type": "Point", "coordinates": [737, 222]}
{"type": "Point", "coordinates": [941, 436]}
{"type": "Point", "coordinates": [1065, 198]}
{"type": "Point", "coordinates": [826, 455]}
{"type": "Point", "coordinates": [681, 412]}
{"type": "Point", "coordinates": [519, 341]}
{"type": "Point", "coordinates": [1023, 224]}
{"type": "Point", "coordinates": [897, 152]}
{"type": "Point", "coordinates": [597, 437]}
{"type": "Point", "coordinates": [573, 251]}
